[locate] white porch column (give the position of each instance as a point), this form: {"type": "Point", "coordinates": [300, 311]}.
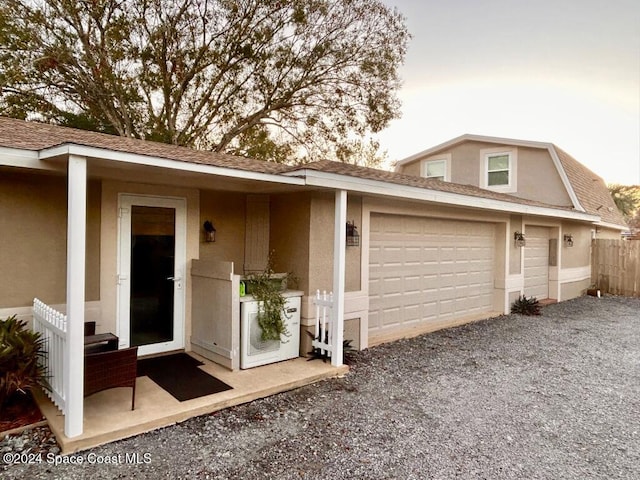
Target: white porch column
{"type": "Point", "coordinates": [74, 353]}
{"type": "Point", "coordinates": [339, 256]}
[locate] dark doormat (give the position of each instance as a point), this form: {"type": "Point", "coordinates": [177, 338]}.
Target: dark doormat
{"type": "Point", "coordinates": [179, 375]}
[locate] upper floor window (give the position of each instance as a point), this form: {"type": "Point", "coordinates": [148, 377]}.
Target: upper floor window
{"type": "Point", "coordinates": [438, 168]}
{"type": "Point", "coordinates": [499, 169]}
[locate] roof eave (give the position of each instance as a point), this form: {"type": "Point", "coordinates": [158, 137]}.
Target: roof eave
{"type": "Point", "coordinates": [29, 159]}
{"type": "Point", "coordinates": [154, 161]}
{"type": "Point", "coordinates": [375, 187]}
{"type": "Point", "coordinates": [613, 226]}
{"type": "Point", "coordinates": [565, 178]}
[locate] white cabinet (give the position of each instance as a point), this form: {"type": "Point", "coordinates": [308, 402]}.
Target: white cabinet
{"type": "Point", "coordinates": [253, 350]}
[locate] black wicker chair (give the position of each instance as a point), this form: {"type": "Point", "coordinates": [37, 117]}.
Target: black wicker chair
{"type": "Point", "coordinates": [115, 368]}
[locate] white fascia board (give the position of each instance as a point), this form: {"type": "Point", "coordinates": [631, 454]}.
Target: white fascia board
{"type": "Point", "coordinates": [473, 138]}
{"type": "Point", "coordinates": [15, 157]}
{"type": "Point", "coordinates": [564, 178]}
{"type": "Point", "coordinates": [613, 226]}
{"type": "Point", "coordinates": [428, 151]}
{"type": "Point", "coordinates": [152, 161]}
{"type": "Point", "coordinates": [375, 187]}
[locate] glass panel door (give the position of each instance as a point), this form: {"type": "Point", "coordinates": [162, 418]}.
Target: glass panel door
{"type": "Point", "coordinates": [152, 275]}
{"type": "Point", "coordinates": [152, 251]}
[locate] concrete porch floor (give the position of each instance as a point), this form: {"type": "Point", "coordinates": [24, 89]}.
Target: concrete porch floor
{"type": "Point", "coordinates": [108, 416]}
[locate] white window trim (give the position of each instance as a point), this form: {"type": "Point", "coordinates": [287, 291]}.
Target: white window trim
{"type": "Point", "coordinates": [485, 153]}
{"type": "Point", "coordinates": [446, 158]}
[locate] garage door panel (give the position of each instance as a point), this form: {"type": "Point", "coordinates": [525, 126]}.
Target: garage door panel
{"type": "Point", "coordinates": [412, 313]}
{"type": "Point", "coordinates": [424, 270]}
{"type": "Point", "coordinates": [391, 317]}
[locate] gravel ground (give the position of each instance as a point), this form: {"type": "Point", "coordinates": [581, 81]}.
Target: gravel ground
{"type": "Point", "coordinates": [556, 396]}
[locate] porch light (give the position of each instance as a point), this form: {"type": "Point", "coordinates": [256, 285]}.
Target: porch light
{"type": "Point", "coordinates": [520, 241]}
{"type": "Point", "coordinates": [353, 238]}
{"type": "Point", "coordinates": [209, 231]}
{"type": "Point", "coordinates": [568, 240]}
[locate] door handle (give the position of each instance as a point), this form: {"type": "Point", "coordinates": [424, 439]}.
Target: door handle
{"type": "Point", "coordinates": [174, 279]}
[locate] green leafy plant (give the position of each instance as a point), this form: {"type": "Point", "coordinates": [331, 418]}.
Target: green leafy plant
{"type": "Point", "coordinates": [266, 287]}
{"type": "Point", "coordinates": [20, 353]}
{"type": "Point", "coordinates": [526, 306]}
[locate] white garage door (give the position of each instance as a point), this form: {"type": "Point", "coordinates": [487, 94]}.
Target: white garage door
{"type": "Point", "coordinates": [425, 271]}
{"type": "Point", "coordinates": [536, 263]}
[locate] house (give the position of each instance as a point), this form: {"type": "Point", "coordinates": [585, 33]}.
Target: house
{"type": "Point", "coordinates": [455, 234]}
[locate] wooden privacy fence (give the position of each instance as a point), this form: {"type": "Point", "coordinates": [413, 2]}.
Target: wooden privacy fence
{"type": "Point", "coordinates": [615, 266]}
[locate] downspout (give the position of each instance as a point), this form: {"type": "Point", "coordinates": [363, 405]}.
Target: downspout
{"type": "Point", "coordinates": [76, 248]}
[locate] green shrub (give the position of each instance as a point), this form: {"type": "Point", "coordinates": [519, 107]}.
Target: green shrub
{"type": "Point", "coordinates": [20, 352]}
{"type": "Point", "coordinates": [526, 306]}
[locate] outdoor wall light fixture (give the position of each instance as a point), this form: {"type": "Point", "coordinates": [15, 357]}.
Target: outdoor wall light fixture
{"type": "Point", "coordinates": [519, 239]}
{"type": "Point", "coordinates": [209, 231]}
{"type": "Point", "coordinates": [568, 240]}
{"type": "Point", "coordinates": [353, 238]}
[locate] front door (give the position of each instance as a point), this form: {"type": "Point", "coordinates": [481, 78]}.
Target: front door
{"type": "Point", "coordinates": [152, 258]}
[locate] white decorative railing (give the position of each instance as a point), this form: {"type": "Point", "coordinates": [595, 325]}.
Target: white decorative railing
{"type": "Point", "coordinates": [322, 338]}
{"type": "Point", "coordinates": [52, 326]}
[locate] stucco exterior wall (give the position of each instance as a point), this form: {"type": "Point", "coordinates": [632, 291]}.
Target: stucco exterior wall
{"type": "Point", "coordinates": [580, 254]}
{"type": "Point", "coordinates": [227, 213]}
{"type": "Point", "coordinates": [411, 169]}
{"type": "Point", "coordinates": [574, 289]}
{"type": "Point", "coordinates": [465, 163]}
{"type": "Point", "coordinates": [538, 178]}
{"type": "Point", "coordinates": [515, 253]}
{"type": "Point", "coordinates": [33, 222]}
{"type": "Point", "coordinates": [608, 233]}
{"type": "Point", "coordinates": [289, 236]}
{"type": "Point", "coordinates": [321, 243]}
{"type": "Point", "coordinates": [354, 254]}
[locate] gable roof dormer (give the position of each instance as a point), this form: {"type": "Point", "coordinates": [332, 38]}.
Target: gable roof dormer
{"type": "Point", "coordinates": [587, 191]}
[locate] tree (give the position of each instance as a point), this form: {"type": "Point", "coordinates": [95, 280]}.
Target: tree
{"type": "Point", "coordinates": [299, 79]}
{"type": "Point", "coordinates": [626, 198]}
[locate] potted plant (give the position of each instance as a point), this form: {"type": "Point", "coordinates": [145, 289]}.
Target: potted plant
{"type": "Point", "coordinates": [266, 287]}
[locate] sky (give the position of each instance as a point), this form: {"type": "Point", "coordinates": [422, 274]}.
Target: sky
{"type": "Point", "coordinates": [559, 71]}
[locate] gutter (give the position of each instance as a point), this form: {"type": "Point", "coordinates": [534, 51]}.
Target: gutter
{"type": "Point", "coordinates": [613, 226]}
{"type": "Point", "coordinates": [334, 181]}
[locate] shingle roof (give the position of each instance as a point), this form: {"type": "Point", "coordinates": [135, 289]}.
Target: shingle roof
{"type": "Point", "coordinates": [591, 190]}
{"type": "Point", "coordinates": [415, 181]}
{"type": "Point", "coordinates": [38, 136]}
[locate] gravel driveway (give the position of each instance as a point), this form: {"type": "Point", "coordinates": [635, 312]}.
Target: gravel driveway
{"type": "Point", "coordinates": [556, 396]}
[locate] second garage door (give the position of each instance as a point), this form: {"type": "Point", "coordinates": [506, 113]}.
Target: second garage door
{"type": "Point", "coordinates": [536, 263]}
{"type": "Point", "coordinates": [424, 270]}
